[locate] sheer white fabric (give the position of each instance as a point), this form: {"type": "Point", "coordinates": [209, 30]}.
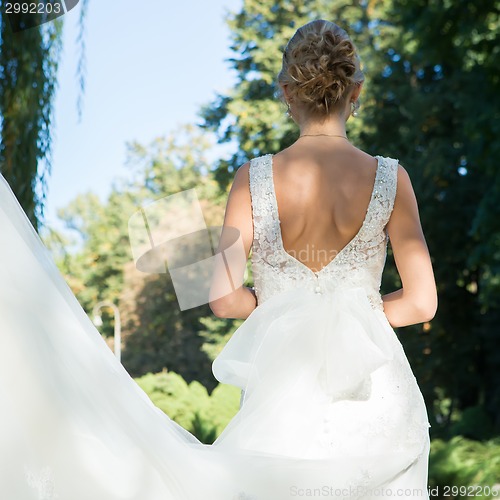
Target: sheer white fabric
{"type": "Point", "coordinates": [330, 400]}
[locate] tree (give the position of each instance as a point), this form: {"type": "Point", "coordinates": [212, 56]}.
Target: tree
{"type": "Point", "coordinates": [29, 62]}
{"type": "Point", "coordinates": [98, 264]}
{"type": "Point", "coordinates": [425, 63]}
{"type": "Point", "coordinates": [160, 334]}
{"type": "Point", "coordinates": [435, 59]}
{"type": "Point", "coordinates": [28, 68]}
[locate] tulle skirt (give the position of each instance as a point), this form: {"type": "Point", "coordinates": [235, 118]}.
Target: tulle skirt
{"type": "Point", "coordinates": [331, 408]}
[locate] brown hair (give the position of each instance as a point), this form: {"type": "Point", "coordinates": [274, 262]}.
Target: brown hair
{"type": "Point", "coordinates": [320, 67]}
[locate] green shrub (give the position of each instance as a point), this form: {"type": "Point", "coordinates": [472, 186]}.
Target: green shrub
{"type": "Point", "coordinates": [474, 423]}
{"type": "Point", "coordinates": [224, 404]}
{"type": "Point", "coordinates": [190, 405]}
{"type": "Point", "coordinates": [203, 430]}
{"type": "Point", "coordinates": [170, 392]}
{"type": "Point", "coordinates": [467, 463]}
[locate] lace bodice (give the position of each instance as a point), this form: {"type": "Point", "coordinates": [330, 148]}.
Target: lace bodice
{"type": "Point", "coordinates": [359, 264]}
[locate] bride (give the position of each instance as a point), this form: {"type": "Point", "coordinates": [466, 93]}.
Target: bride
{"type": "Point", "coordinates": [330, 407]}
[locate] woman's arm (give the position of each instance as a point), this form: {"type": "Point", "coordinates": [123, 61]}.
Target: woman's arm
{"type": "Point", "coordinates": [245, 301]}
{"type": "Point", "coordinates": [417, 300]}
{"type": "Point", "coordinates": [237, 301]}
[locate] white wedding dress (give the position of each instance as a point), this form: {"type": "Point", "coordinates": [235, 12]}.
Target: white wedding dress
{"type": "Point", "coordinates": [330, 406]}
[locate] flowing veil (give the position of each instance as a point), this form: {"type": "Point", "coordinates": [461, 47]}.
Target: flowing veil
{"type": "Point", "coordinates": [71, 415]}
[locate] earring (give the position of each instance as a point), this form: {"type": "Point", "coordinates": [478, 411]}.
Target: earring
{"type": "Point", "coordinates": [354, 108]}
{"type": "Point", "coordinates": [288, 112]}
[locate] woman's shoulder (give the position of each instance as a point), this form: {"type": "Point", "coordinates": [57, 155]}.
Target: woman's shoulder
{"type": "Point", "coordinates": [289, 157]}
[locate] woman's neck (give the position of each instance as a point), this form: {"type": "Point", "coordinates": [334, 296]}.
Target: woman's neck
{"type": "Point", "coordinates": [331, 126]}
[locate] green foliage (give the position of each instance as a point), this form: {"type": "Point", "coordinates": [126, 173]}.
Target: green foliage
{"type": "Point", "coordinates": [94, 250]}
{"type": "Point", "coordinates": [202, 429]}
{"type": "Point", "coordinates": [460, 462]}
{"type": "Point", "coordinates": [171, 393]}
{"type": "Point", "coordinates": [474, 423]}
{"type": "Point", "coordinates": [160, 335]}
{"type": "Point", "coordinates": [98, 264]}
{"type": "Point", "coordinates": [431, 99]}
{"type": "Point", "coordinates": [81, 68]}
{"type": "Point", "coordinates": [28, 67]}
{"type": "Point", "coordinates": [435, 57]}
{"type": "Point", "coordinates": [190, 405]}
{"type": "Point", "coordinates": [216, 332]}
{"type": "Point", "coordinates": [224, 404]}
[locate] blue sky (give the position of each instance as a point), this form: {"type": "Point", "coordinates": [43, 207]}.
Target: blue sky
{"type": "Point", "coordinates": [150, 66]}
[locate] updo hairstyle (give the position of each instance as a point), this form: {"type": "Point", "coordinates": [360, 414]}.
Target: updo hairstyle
{"type": "Point", "coordinates": [320, 68]}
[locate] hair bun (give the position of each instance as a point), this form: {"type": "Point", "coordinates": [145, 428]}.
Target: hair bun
{"type": "Point", "coordinates": [320, 66]}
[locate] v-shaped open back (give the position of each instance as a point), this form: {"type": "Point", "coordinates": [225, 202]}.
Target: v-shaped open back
{"type": "Point", "coordinates": [281, 246]}
{"type": "Point", "coordinates": [358, 263]}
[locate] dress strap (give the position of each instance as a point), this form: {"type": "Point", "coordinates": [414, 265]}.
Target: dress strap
{"type": "Point", "coordinates": [386, 190]}
{"type": "Point", "coordinates": [261, 192]}
{"type": "Point", "coordinates": [390, 182]}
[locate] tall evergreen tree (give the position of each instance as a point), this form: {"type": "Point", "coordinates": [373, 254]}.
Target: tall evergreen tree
{"type": "Point", "coordinates": [438, 110]}
{"type": "Point", "coordinates": [430, 99]}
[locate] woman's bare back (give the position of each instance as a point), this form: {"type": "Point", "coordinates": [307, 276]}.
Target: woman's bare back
{"type": "Point", "coordinates": [322, 194]}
